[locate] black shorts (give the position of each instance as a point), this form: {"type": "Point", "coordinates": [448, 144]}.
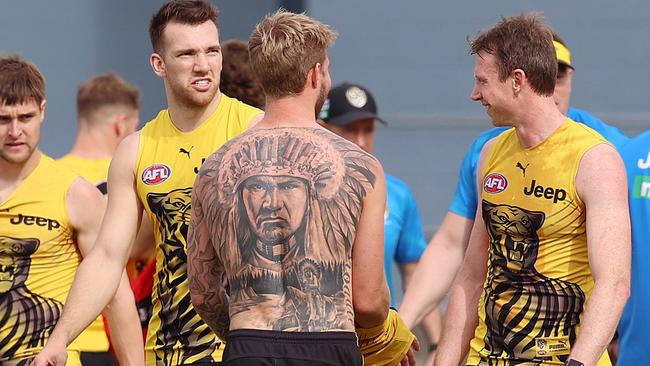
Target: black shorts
{"type": "Point", "coordinates": [97, 359]}
{"type": "Point", "coordinates": [272, 348]}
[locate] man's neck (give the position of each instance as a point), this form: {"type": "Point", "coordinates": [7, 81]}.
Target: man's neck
{"type": "Point", "coordinates": [93, 146]}
{"type": "Point", "coordinates": [293, 111]}
{"type": "Point", "coordinates": [540, 119]}
{"type": "Point", "coordinates": [12, 175]}
{"type": "Point", "coordinates": [187, 118]}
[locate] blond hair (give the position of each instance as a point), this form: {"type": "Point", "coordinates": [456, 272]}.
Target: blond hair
{"type": "Point", "coordinates": [283, 48]}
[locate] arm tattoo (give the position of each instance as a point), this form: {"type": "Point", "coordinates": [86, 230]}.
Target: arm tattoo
{"type": "Point", "coordinates": [282, 206]}
{"type": "Point", "coordinates": [205, 272]}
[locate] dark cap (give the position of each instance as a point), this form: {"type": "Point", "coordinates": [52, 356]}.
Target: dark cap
{"type": "Point", "coordinates": [347, 103]}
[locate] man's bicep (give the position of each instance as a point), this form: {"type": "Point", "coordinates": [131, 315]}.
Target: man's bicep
{"type": "Point", "coordinates": [124, 210]}
{"type": "Point", "coordinates": [602, 186]}
{"type": "Point", "coordinates": [85, 206]}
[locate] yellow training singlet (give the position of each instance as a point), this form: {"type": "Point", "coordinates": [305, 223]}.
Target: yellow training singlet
{"type": "Point", "coordinates": [38, 261]}
{"type": "Point", "coordinates": [538, 278]}
{"type": "Point", "coordinates": [93, 170]}
{"type": "Point", "coordinates": [94, 338]}
{"type": "Point", "coordinates": [168, 161]}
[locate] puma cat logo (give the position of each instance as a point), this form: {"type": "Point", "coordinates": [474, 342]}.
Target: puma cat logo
{"type": "Point", "coordinates": [523, 168]}
{"type": "Point", "coordinates": [186, 152]}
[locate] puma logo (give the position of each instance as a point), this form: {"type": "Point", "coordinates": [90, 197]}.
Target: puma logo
{"type": "Point", "coordinates": [186, 152]}
{"type": "Point", "coordinates": [644, 164]}
{"type": "Point", "coordinates": [523, 168]}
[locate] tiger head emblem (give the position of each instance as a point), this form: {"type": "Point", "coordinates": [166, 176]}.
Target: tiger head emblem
{"type": "Point", "coordinates": [514, 229]}
{"type": "Point", "coordinates": [173, 212]}
{"type": "Point", "coordinates": [15, 259]}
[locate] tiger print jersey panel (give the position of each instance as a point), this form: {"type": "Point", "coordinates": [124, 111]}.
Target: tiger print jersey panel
{"type": "Point", "coordinates": [168, 160]}
{"type": "Point", "coordinates": [38, 261]}
{"type": "Point", "coordinates": [538, 280]}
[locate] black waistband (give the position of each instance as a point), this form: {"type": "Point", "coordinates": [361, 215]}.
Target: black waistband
{"type": "Point", "coordinates": [270, 335]}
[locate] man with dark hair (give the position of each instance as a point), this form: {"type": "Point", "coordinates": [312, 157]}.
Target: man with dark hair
{"type": "Point", "coordinates": [153, 170]}
{"type": "Point", "coordinates": [290, 216]}
{"type": "Point", "coordinates": [49, 217]}
{"type": "Point", "coordinates": [548, 257]}
{"type": "Point", "coordinates": [237, 78]}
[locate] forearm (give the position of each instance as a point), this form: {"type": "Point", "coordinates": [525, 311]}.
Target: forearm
{"type": "Point", "coordinates": [124, 325]}
{"type": "Point", "coordinates": [600, 319]}
{"type": "Point", "coordinates": [432, 324]}
{"type": "Point", "coordinates": [439, 262]}
{"type": "Point", "coordinates": [461, 319]}
{"type": "Point", "coordinates": [91, 291]}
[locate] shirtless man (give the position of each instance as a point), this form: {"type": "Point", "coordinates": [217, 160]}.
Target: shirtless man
{"type": "Point", "coordinates": [291, 216]}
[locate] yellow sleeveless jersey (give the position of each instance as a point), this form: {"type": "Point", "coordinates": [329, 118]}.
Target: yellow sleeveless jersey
{"type": "Point", "coordinates": [168, 160]}
{"type": "Point", "coordinates": [94, 338]}
{"type": "Point", "coordinates": [538, 279]}
{"type": "Point", "coordinates": [93, 170]}
{"type": "Point", "coordinates": [38, 261]}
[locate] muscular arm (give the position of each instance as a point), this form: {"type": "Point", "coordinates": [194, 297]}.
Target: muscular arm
{"type": "Point", "coordinates": [93, 288]}
{"type": "Point", "coordinates": [370, 298]}
{"type": "Point", "coordinates": [205, 273]}
{"type": "Point", "coordinates": [601, 184]}
{"type": "Point", "coordinates": [86, 208]}
{"type": "Point", "coordinates": [441, 261]}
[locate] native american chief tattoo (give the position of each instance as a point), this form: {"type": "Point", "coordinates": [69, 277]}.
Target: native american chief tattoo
{"type": "Point", "coordinates": [522, 304]}
{"type": "Point", "coordinates": [26, 318]}
{"type": "Point", "coordinates": [282, 208]}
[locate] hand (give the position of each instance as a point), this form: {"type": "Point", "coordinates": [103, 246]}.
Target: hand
{"type": "Point", "coordinates": [51, 355]}
{"type": "Point", "coordinates": [409, 358]}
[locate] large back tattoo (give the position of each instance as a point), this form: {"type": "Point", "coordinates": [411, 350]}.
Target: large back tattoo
{"type": "Point", "coordinates": [282, 207]}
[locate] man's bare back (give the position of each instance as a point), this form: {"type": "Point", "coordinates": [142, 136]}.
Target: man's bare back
{"type": "Point", "coordinates": [281, 207]}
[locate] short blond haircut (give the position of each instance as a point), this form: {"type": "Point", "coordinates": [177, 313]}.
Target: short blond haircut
{"type": "Point", "coordinates": [283, 48]}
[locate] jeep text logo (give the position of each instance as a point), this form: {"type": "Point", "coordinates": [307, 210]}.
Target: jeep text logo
{"type": "Point", "coordinates": [555, 194]}
{"type": "Point", "coordinates": [156, 174]}
{"type": "Point", "coordinates": [35, 220]}
{"type": "Point", "coordinates": [495, 183]}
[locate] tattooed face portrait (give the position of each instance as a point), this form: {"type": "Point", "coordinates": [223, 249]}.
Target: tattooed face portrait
{"type": "Point", "coordinates": [279, 209]}
{"type": "Point", "coordinates": [275, 206]}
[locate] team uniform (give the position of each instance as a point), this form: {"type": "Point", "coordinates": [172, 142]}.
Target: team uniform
{"type": "Point", "coordinates": [403, 237]}
{"type": "Point", "coordinates": [167, 163]}
{"type": "Point", "coordinates": [465, 199]}
{"type": "Point", "coordinates": [634, 326]}
{"type": "Point", "coordinates": [538, 280]}
{"type": "Point", "coordinates": [93, 170]}
{"type": "Point", "coordinates": [38, 258]}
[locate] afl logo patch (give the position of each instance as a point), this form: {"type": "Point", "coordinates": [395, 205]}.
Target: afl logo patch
{"type": "Point", "coordinates": [156, 174]}
{"type": "Point", "coordinates": [495, 183]}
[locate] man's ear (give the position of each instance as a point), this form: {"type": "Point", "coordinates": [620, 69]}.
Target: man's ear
{"type": "Point", "coordinates": [118, 124]}
{"type": "Point", "coordinates": [157, 64]}
{"type": "Point", "coordinates": [518, 78]}
{"type": "Point", "coordinates": [315, 74]}
{"type": "Point", "coordinates": [41, 109]}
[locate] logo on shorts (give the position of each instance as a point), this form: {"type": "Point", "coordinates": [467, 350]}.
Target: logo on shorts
{"type": "Point", "coordinates": [156, 174]}
{"type": "Point", "coordinates": [495, 183]}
